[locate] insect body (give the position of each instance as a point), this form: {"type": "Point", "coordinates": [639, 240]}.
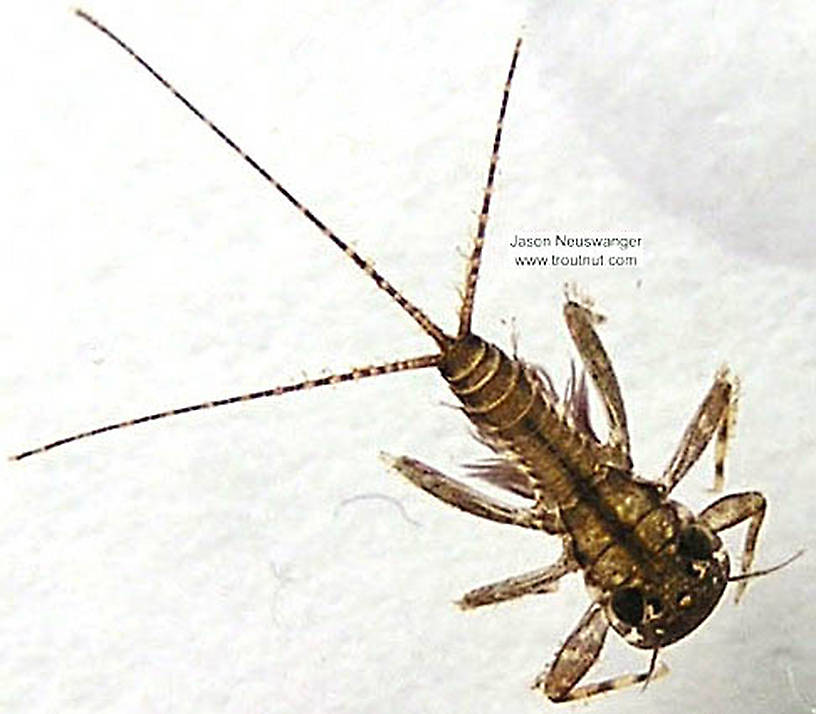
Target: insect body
{"type": "Point", "coordinates": [653, 569]}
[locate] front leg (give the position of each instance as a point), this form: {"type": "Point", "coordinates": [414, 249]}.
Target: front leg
{"type": "Point", "coordinates": [734, 509]}
{"type": "Point", "coordinates": [578, 654]}
{"type": "Point", "coordinates": [468, 499]}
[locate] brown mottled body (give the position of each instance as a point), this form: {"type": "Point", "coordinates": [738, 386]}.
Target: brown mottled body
{"type": "Point", "coordinates": [654, 570]}
{"type": "Point", "coordinates": [505, 400]}
{"type": "Point", "coordinates": [617, 525]}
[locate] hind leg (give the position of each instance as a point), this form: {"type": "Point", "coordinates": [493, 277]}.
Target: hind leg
{"type": "Point", "coordinates": [581, 321]}
{"type": "Point", "coordinates": [467, 499]}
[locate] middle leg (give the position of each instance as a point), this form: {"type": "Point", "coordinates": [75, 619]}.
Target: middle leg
{"type": "Point", "coordinates": [539, 581]}
{"type": "Point", "coordinates": [716, 414]}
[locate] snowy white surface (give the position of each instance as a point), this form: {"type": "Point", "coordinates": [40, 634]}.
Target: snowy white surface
{"type": "Point", "coordinates": [225, 561]}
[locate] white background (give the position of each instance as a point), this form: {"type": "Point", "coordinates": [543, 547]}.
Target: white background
{"type": "Point", "coordinates": [215, 562]}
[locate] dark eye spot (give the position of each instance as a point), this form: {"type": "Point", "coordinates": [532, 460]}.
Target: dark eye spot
{"type": "Point", "coordinates": [695, 543]}
{"type": "Point", "coordinates": [627, 604]}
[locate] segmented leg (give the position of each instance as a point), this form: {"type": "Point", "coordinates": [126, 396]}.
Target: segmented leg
{"type": "Point", "coordinates": [468, 499]}
{"type": "Point", "coordinates": [716, 413]}
{"type": "Point", "coordinates": [543, 580]}
{"type": "Point", "coordinates": [581, 321]}
{"type": "Point", "coordinates": [578, 654]}
{"type": "Point", "coordinates": [734, 509]}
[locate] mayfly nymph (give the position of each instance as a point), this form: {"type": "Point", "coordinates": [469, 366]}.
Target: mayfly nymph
{"type": "Point", "coordinates": [653, 569]}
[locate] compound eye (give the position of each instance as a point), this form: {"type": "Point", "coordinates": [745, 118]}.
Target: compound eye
{"type": "Point", "coordinates": [627, 604]}
{"type": "Point", "coordinates": [695, 543]}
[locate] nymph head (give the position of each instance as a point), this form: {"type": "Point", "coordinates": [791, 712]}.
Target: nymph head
{"type": "Point", "coordinates": [664, 603]}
